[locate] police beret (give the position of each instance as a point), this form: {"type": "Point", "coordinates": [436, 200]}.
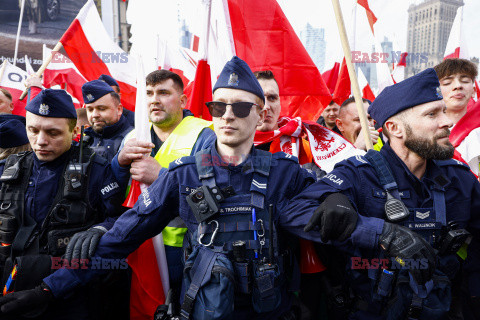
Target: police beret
{"type": "Point", "coordinates": [94, 90]}
{"type": "Point", "coordinates": [109, 80]}
{"type": "Point", "coordinates": [54, 103]}
{"type": "Point", "coordinates": [12, 134]}
{"type": "Point", "coordinates": [7, 116]}
{"type": "Point", "coordinates": [237, 75]}
{"type": "Point", "coordinates": [419, 89]}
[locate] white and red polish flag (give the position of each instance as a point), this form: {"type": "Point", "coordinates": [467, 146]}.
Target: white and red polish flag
{"type": "Point", "coordinates": [398, 73]}
{"type": "Point", "coordinates": [343, 88]}
{"type": "Point", "coordinates": [465, 137]}
{"type": "Point", "coordinates": [13, 80]}
{"type": "Point", "coordinates": [61, 71]}
{"type": "Point", "coordinates": [94, 53]}
{"type": "Point", "coordinates": [456, 44]}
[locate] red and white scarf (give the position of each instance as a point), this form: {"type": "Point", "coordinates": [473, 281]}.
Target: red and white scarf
{"type": "Point", "coordinates": [326, 146]}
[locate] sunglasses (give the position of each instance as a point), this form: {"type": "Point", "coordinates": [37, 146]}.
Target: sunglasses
{"type": "Point", "coordinates": [240, 109]}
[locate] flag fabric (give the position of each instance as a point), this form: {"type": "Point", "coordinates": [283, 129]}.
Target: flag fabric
{"type": "Point", "coordinates": [62, 72]}
{"type": "Point", "coordinates": [367, 92]}
{"type": "Point", "coordinates": [325, 146]}
{"type": "Point", "coordinates": [343, 89]}
{"type": "Point", "coordinates": [465, 137]}
{"type": "Point", "coordinates": [149, 284]}
{"type": "Point", "coordinates": [456, 44]}
{"type": "Point", "coordinates": [262, 35]}
{"type": "Point", "coordinates": [13, 80]}
{"type": "Point", "coordinates": [398, 73]}
{"type": "Point", "coordinates": [94, 53]}
{"type": "Point", "coordinates": [370, 15]}
{"type": "Point", "coordinates": [331, 76]}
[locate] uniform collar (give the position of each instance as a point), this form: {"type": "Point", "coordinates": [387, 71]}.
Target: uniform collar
{"type": "Point", "coordinates": [110, 131]}
{"type": "Point", "coordinates": [246, 165]}
{"type": "Point", "coordinates": [432, 170]}
{"type": "Point", "coordinates": [52, 164]}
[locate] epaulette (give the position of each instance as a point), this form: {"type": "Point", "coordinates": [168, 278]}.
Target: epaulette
{"type": "Point", "coordinates": [284, 156]}
{"type": "Point", "coordinates": [452, 162]}
{"type": "Point", "coordinates": [359, 160]}
{"type": "Point", "coordinates": [181, 162]}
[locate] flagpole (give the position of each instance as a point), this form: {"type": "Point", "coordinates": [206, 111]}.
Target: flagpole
{"type": "Point", "coordinates": [352, 73]}
{"type": "Point", "coordinates": [44, 66]}
{"type": "Point", "coordinates": [2, 70]}
{"type": "Point", "coordinates": [18, 33]}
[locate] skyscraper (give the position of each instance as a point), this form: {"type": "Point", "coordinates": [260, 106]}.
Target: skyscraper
{"type": "Point", "coordinates": [314, 41]}
{"type": "Point", "coordinates": [429, 25]}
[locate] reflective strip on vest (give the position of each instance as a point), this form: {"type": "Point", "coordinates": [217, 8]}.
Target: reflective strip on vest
{"type": "Point", "coordinates": [178, 144]}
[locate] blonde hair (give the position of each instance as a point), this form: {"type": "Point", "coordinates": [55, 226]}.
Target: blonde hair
{"type": "Point", "coordinates": [5, 152]}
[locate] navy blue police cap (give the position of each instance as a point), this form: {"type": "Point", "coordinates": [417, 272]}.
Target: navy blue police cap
{"type": "Point", "coordinates": [419, 89]}
{"type": "Point", "coordinates": [53, 103]}
{"type": "Point", "coordinates": [237, 75]}
{"type": "Point", "coordinates": [12, 134]}
{"type": "Point", "coordinates": [109, 80]}
{"type": "Point", "coordinates": [94, 90]}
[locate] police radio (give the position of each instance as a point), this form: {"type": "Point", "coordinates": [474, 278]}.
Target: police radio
{"type": "Point", "coordinates": [395, 209]}
{"type": "Point", "coordinates": [75, 175]}
{"type": "Point", "coordinates": [205, 202]}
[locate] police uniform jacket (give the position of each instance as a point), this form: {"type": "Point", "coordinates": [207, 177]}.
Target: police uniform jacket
{"type": "Point", "coordinates": [358, 180]}
{"type": "Point", "coordinates": [107, 143]}
{"type": "Point", "coordinates": [166, 198]}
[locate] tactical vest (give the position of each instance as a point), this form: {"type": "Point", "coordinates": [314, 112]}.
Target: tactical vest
{"type": "Point", "coordinates": [28, 245]}
{"type": "Point", "coordinates": [237, 237]}
{"type": "Point", "coordinates": [395, 291]}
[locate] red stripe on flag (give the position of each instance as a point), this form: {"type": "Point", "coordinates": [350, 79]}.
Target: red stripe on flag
{"type": "Point", "coordinates": [201, 91]}
{"type": "Point", "coordinates": [370, 15]}
{"type": "Point", "coordinates": [89, 63]}
{"type": "Point", "coordinates": [465, 125]}
{"type": "Point", "coordinates": [265, 40]}
{"type": "Point", "coordinates": [454, 55]}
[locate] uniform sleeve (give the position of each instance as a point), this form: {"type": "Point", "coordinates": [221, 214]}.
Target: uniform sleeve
{"type": "Point", "coordinates": [122, 174]}
{"type": "Point", "coordinates": [155, 207]}
{"type": "Point", "coordinates": [472, 262]}
{"type": "Point", "coordinates": [205, 140]}
{"type": "Point", "coordinates": [105, 192]}
{"type": "Point", "coordinates": [296, 213]}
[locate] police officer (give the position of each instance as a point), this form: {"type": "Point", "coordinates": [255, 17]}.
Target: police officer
{"type": "Point", "coordinates": [223, 195]}
{"type": "Point", "coordinates": [108, 126]}
{"type": "Point", "coordinates": [46, 197]}
{"type": "Point", "coordinates": [116, 87]}
{"type": "Point", "coordinates": [411, 182]}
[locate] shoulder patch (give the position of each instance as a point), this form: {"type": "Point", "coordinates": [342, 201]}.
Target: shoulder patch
{"type": "Point", "coordinates": [285, 156]}
{"type": "Point", "coordinates": [180, 162]}
{"type": "Point", "coordinates": [358, 161]}
{"type": "Point", "coordinates": [452, 162]}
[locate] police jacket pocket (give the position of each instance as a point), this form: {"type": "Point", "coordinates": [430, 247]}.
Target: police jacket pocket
{"type": "Point", "coordinates": [209, 285]}
{"type": "Point", "coordinates": [435, 306]}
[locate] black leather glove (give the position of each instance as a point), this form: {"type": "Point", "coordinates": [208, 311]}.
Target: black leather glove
{"type": "Point", "coordinates": [83, 244]}
{"type": "Point", "coordinates": [335, 217]}
{"type": "Point", "coordinates": [401, 242]}
{"type": "Point", "coordinates": [31, 302]}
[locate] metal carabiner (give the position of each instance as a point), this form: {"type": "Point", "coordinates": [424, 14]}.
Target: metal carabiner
{"type": "Point", "coordinates": [6, 207]}
{"type": "Point", "coordinates": [263, 229]}
{"type": "Point", "coordinates": [200, 237]}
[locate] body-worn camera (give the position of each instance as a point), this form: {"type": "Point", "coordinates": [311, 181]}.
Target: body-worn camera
{"type": "Point", "coordinates": [204, 202]}
{"type": "Point", "coordinates": [452, 239]}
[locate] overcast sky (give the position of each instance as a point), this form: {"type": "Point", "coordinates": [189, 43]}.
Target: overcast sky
{"type": "Point", "coordinates": [392, 18]}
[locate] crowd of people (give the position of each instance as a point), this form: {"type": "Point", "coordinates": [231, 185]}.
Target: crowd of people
{"type": "Point", "coordinates": [249, 232]}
